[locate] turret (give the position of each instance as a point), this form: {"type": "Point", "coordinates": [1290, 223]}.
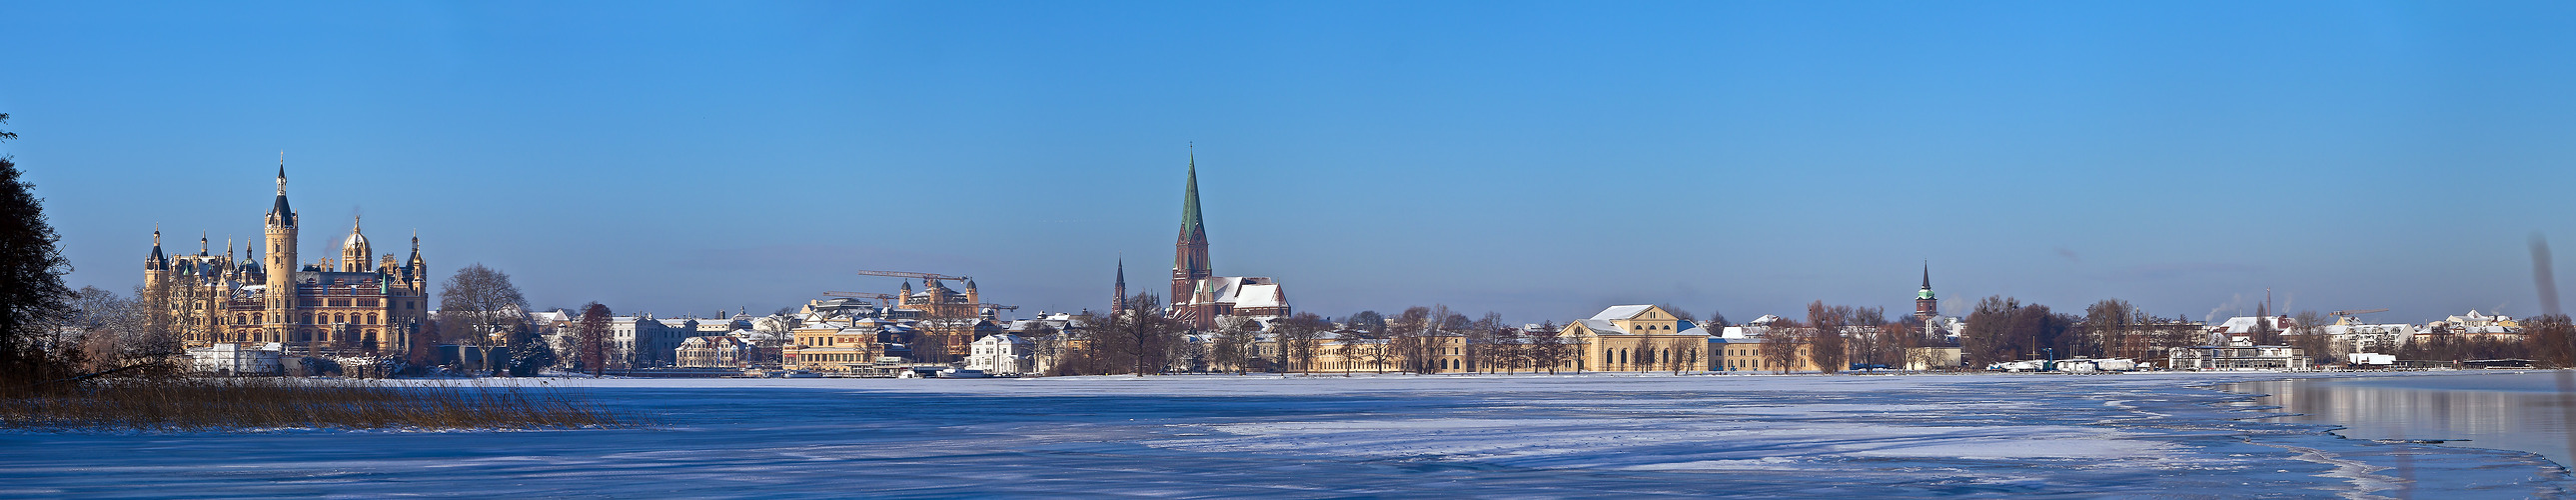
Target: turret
{"type": "Point", "coordinates": [354, 249]}
{"type": "Point", "coordinates": [155, 261]}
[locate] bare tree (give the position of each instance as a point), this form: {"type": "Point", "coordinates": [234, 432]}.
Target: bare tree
{"type": "Point", "coordinates": [1508, 349]}
{"type": "Point", "coordinates": [1299, 338]}
{"type": "Point", "coordinates": [2309, 333]}
{"type": "Point", "coordinates": [1780, 341]}
{"type": "Point", "coordinates": [590, 334]}
{"type": "Point", "coordinates": [1143, 335]}
{"type": "Point", "coordinates": [1826, 343]}
{"type": "Point", "coordinates": [1547, 347]}
{"type": "Point", "coordinates": [481, 308]}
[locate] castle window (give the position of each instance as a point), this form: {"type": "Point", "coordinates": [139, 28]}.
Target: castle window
{"type": "Point", "coordinates": [308, 319]}
{"type": "Point", "coordinates": [371, 318]}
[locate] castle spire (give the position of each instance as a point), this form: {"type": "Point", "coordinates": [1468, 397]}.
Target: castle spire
{"type": "Point", "coordinates": [285, 215]}
{"type": "Point", "coordinates": [156, 260]}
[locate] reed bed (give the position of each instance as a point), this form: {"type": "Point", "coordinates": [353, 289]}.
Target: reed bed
{"type": "Point", "coordinates": [199, 404]}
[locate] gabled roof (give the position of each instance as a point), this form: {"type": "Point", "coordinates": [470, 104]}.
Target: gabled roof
{"type": "Point", "coordinates": [1623, 312]}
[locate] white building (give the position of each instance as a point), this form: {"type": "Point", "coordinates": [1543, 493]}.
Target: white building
{"type": "Point", "coordinates": [1003, 354]}
{"type": "Point", "coordinates": [233, 359]}
{"type": "Point", "coordinates": [2238, 355]}
{"type": "Point", "coordinates": [715, 351]}
{"type": "Point", "coordinates": [642, 342]}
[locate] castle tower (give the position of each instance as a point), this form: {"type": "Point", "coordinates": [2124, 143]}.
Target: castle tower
{"type": "Point", "coordinates": [279, 298]}
{"type": "Point", "coordinates": [156, 267]}
{"type": "Point", "coordinates": [354, 250]}
{"type": "Point", "coordinates": [1925, 304]}
{"type": "Point", "coordinates": [1190, 254]}
{"type": "Point", "coordinates": [418, 269]}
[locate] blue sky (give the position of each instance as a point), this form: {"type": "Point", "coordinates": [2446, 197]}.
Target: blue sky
{"type": "Point", "coordinates": [1542, 160]}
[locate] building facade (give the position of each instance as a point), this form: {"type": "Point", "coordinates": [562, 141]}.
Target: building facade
{"type": "Point", "coordinates": [352, 304]}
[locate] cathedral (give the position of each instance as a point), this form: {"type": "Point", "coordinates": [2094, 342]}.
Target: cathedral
{"type": "Point", "coordinates": [354, 304]}
{"type": "Point", "coordinates": [1199, 296]}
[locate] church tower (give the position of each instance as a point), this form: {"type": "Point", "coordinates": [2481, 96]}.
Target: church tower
{"type": "Point", "coordinates": [1190, 255]}
{"type": "Point", "coordinates": [279, 298]}
{"type": "Point", "coordinates": [1118, 300]}
{"type": "Point", "coordinates": [1925, 304]}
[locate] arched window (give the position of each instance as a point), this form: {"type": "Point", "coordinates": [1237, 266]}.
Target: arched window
{"type": "Point", "coordinates": [308, 318]}
{"type": "Point", "coordinates": [239, 318]}
{"type": "Point", "coordinates": [255, 318]}
{"type": "Point", "coordinates": [371, 318]}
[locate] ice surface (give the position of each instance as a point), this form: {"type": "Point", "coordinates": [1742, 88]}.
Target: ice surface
{"type": "Point", "coordinates": [1405, 436]}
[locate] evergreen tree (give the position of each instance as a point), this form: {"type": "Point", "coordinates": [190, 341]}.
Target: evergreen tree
{"type": "Point", "coordinates": [32, 295]}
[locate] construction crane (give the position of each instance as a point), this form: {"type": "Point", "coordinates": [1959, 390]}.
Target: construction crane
{"type": "Point", "coordinates": [2355, 313]}
{"type": "Point", "coordinates": [919, 276]}
{"type": "Point", "coordinates": [857, 295]}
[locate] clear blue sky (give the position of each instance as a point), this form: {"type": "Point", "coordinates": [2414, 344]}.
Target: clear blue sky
{"type": "Point", "coordinates": [1542, 160]}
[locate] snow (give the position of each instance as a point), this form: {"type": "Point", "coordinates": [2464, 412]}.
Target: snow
{"type": "Point", "coordinates": [1393, 435]}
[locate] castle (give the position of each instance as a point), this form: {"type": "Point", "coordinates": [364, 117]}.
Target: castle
{"type": "Point", "coordinates": [350, 304]}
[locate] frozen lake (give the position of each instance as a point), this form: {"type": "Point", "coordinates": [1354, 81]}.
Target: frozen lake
{"type": "Point", "coordinates": [1403, 436]}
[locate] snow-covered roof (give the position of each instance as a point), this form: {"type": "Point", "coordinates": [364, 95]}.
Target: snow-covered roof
{"type": "Point", "coordinates": [1262, 295]}
{"type": "Point", "coordinates": [1600, 325]}
{"type": "Point", "coordinates": [1622, 312]}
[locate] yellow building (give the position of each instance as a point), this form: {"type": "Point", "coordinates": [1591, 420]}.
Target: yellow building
{"type": "Point", "coordinates": [1637, 338]}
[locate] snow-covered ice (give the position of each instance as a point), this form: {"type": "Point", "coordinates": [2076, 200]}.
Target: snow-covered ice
{"type": "Point", "coordinates": [2142, 435]}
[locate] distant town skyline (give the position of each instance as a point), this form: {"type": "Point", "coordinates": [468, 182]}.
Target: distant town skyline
{"type": "Point", "coordinates": [1542, 160]}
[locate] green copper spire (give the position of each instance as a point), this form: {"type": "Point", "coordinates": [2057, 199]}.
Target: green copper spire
{"type": "Point", "coordinates": [1926, 292]}
{"type": "Point", "coordinates": [1190, 223]}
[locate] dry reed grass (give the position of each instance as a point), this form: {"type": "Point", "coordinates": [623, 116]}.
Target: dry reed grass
{"type": "Point", "coordinates": [195, 404]}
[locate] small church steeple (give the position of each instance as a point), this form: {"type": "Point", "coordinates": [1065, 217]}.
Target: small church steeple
{"type": "Point", "coordinates": [1926, 305]}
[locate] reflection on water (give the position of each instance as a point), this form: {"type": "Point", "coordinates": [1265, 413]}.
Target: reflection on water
{"type": "Point", "coordinates": [2521, 411]}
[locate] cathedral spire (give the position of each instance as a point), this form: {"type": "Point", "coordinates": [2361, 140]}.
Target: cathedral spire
{"type": "Point", "coordinates": [1927, 275]}
{"type": "Point", "coordinates": [1191, 226]}
{"type": "Point", "coordinates": [1190, 253]}
{"type": "Point", "coordinates": [1118, 298]}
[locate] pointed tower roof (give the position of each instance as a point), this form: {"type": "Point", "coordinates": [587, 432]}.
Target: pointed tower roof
{"type": "Point", "coordinates": [1926, 292]}
{"type": "Point", "coordinates": [281, 208]}
{"type": "Point", "coordinates": [1191, 226]}
{"type": "Point", "coordinates": [156, 260]}
{"type": "Point", "coordinates": [1122, 271]}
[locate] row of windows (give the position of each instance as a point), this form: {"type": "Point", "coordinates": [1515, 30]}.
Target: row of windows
{"type": "Point", "coordinates": [259, 318]}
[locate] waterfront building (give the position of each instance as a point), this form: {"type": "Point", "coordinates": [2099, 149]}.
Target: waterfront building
{"type": "Point", "coordinates": [353, 303]}
{"type": "Point", "coordinates": [1003, 354]}
{"type": "Point", "coordinates": [715, 351]}
{"type": "Point", "coordinates": [1639, 338]}
{"type": "Point", "coordinates": [2237, 355]}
